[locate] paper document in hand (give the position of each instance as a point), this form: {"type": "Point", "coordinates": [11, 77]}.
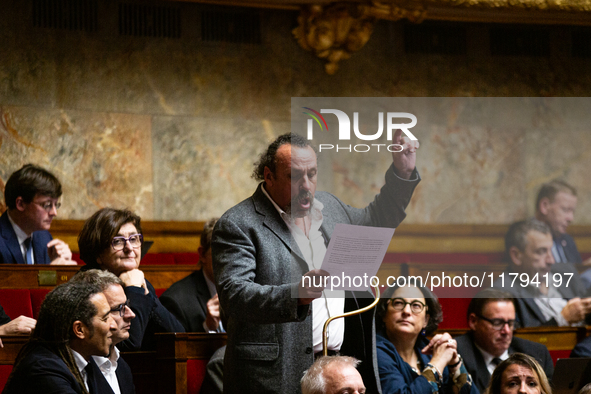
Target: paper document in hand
{"type": "Point", "coordinates": [355, 254]}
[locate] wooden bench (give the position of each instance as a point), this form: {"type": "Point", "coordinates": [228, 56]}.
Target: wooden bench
{"type": "Point", "coordinates": [48, 276]}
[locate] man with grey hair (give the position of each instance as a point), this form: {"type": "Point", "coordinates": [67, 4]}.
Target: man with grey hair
{"type": "Point", "coordinates": [546, 294]}
{"type": "Point", "coordinates": [333, 375]}
{"type": "Point", "coordinates": [111, 374]}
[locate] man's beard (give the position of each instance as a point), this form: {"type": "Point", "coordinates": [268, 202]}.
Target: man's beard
{"type": "Point", "coordinates": [304, 195]}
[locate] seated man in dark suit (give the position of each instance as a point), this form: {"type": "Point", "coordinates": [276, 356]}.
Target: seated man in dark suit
{"type": "Point", "coordinates": [32, 197]}
{"type": "Point", "coordinates": [546, 294]}
{"type": "Point", "coordinates": [555, 206]}
{"type": "Point", "coordinates": [582, 349]}
{"type": "Point", "coordinates": [112, 374]}
{"type": "Point", "coordinates": [491, 317]}
{"type": "Point", "coordinates": [75, 323]}
{"type": "Point", "coordinates": [194, 299]}
{"type": "Point", "coordinates": [194, 302]}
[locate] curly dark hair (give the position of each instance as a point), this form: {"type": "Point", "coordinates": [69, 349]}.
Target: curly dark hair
{"type": "Point", "coordinates": [268, 159]}
{"type": "Point", "coordinates": [64, 305]}
{"type": "Point", "coordinates": [433, 309]}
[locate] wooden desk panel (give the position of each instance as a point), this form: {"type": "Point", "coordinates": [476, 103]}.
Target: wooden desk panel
{"type": "Point", "coordinates": [554, 338]}
{"type": "Point", "coordinates": [28, 277]}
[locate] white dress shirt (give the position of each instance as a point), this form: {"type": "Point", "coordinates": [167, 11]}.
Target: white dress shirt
{"type": "Point", "coordinates": [488, 358]}
{"type": "Point", "coordinates": [108, 367]}
{"type": "Point", "coordinates": [313, 249]}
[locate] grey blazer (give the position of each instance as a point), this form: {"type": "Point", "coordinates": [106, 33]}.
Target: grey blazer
{"type": "Point", "coordinates": [258, 267]}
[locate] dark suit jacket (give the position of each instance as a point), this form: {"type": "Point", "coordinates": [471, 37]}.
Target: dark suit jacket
{"type": "Point", "coordinates": [527, 312]}
{"type": "Point", "coordinates": [570, 248]}
{"type": "Point", "coordinates": [475, 365]}
{"type": "Point", "coordinates": [4, 318]}
{"type": "Point", "coordinates": [42, 371]}
{"type": "Point", "coordinates": [10, 250]}
{"type": "Point", "coordinates": [258, 267]}
{"type": "Point", "coordinates": [124, 377]}
{"type": "Point", "coordinates": [582, 349]}
{"type": "Point", "coordinates": [187, 300]}
{"type": "Point", "coordinates": [150, 317]}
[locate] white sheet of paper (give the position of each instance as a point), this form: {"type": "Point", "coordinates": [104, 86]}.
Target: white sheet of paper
{"type": "Point", "coordinates": [355, 252]}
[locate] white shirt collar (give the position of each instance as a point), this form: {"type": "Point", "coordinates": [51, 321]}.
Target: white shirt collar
{"type": "Point", "coordinates": [81, 363]}
{"type": "Point", "coordinates": [105, 364]}
{"type": "Point", "coordinates": [210, 286]}
{"type": "Point", "coordinates": [489, 357]}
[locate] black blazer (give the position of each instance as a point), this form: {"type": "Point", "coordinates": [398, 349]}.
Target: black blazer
{"type": "Point", "coordinates": [4, 318]}
{"type": "Point", "coordinates": [187, 300]}
{"type": "Point", "coordinates": [124, 377]}
{"type": "Point", "coordinates": [10, 250]}
{"type": "Point", "coordinates": [583, 349]}
{"type": "Point", "coordinates": [570, 248]}
{"type": "Point", "coordinates": [150, 317]}
{"type": "Point", "coordinates": [474, 362]}
{"type": "Point", "coordinates": [42, 371]}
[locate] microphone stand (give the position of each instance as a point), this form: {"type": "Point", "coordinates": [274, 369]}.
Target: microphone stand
{"type": "Point", "coordinates": [355, 312]}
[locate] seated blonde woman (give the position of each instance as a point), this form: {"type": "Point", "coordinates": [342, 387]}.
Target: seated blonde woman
{"type": "Point", "coordinates": [519, 374]}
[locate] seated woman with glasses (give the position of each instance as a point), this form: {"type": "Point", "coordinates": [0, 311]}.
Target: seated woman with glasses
{"type": "Point", "coordinates": [519, 374]}
{"type": "Point", "coordinates": [407, 361]}
{"type": "Point", "coordinates": [111, 240]}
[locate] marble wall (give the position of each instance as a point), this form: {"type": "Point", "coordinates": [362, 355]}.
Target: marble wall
{"type": "Point", "coordinates": [170, 128]}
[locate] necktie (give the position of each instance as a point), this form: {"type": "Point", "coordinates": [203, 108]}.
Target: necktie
{"type": "Point", "coordinates": [90, 378]}
{"type": "Point", "coordinates": [496, 361]}
{"type": "Point", "coordinates": [29, 250]}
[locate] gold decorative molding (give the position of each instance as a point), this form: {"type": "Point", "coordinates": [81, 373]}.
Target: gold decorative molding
{"type": "Point", "coordinates": [333, 32]}
{"type": "Point", "coordinates": [540, 5]}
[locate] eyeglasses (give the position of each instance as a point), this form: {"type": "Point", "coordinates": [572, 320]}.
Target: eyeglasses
{"type": "Point", "coordinates": [498, 324]}
{"type": "Point", "coordinates": [399, 304]}
{"type": "Point", "coordinates": [135, 240]}
{"type": "Point", "coordinates": [47, 205]}
{"type": "Point", "coordinates": [121, 308]}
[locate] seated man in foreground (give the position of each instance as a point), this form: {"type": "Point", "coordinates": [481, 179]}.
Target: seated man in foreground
{"type": "Point", "coordinates": [75, 323]}
{"type": "Point", "coordinates": [32, 197]}
{"type": "Point", "coordinates": [112, 374]}
{"type": "Point", "coordinates": [333, 375]}
{"type": "Point", "coordinates": [546, 294]}
{"type": "Point", "coordinates": [491, 317]}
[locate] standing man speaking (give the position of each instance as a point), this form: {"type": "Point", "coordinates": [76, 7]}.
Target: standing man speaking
{"type": "Point", "coordinates": [264, 246]}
